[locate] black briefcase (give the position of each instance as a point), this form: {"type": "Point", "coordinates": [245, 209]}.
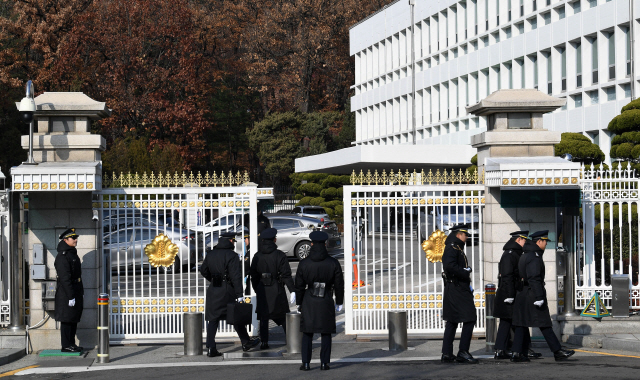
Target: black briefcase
{"type": "Point", "coordinates": [239, 313]}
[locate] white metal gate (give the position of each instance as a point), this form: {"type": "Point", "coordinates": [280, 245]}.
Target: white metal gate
{"type": "Point", "coordinates": [608, 235]}
{"type": "Point", "coordinates": [388, 225]}
{"type": "Point", "coordinates": [147, 301]}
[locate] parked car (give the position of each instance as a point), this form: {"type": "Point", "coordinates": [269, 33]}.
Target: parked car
{"type": "Point", "coordinates": [126, 247]}
{"type": "Point", "coordinates": [222, 224]}
{"type": "Point", "coordinates": [316, 212]}
{"type": "Point", "coordinates": [127, 218]}
{"type": "Point", "coordinates": [449, 216]}
{"type": "Point", "coordinates": [293, 233]}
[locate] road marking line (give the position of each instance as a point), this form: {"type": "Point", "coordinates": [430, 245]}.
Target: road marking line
{"type": "Point", "coordinates": [402, 266]}
{"type": "Point", "coordinates": [56, 370]}
{"type": "Point", "coordinates": [608, 354]}
{"type": "Point", "coordinates": [11, 373]}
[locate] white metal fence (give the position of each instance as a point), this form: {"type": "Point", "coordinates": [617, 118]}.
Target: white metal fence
{"type": "Point", "coordinates": [608, 235]}
{"type": "Point", "coordinates": [148, 301]}
{"type": "Point", "coordinates": [388, 226]}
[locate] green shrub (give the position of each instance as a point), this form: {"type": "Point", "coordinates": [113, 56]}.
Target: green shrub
{"type": "Point", "coordinates": [627, 121]}
{"type": "Point", "coordinates": [624, 150]}
{"type": "Point", "coordinates": [316, 201]}
{"type": "Point", "coordinates": [328, 193]}
{"type": "Point", "coordinates": [305, 201]}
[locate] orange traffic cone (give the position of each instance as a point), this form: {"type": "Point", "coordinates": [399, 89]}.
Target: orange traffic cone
{"type": "Point", "coordinates": [356, 283]}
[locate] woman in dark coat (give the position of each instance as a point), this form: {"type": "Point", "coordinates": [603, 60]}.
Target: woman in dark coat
{"type": "Point", "coordinates": [69, 290]}
{"type": "Point", "coordinates": [317, 278]}
{"type": "Point", "coordinates": [508, 283]}
{"type": "Point", "coordinates": [221, 268]}
{"type": "Point", "coordinates": [457, 302]}
{"type": "Point", "coordinates": [530, 308]}
{"type": "Point", "coordinates": [270, 272]}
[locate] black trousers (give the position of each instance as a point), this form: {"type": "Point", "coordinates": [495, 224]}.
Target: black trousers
{"type": "Point", "coordinates": [264, 328]}
{"type": "Point", "coordinates": [450, 335]}
{"type": "Point", "coordinates": [68, 334]}
{"type": "Point", "coordinates": [521, 344]}
{"type": "Point", "coordinates": [325, 348]}
{"type": "Point", "coordinates": [504, 333]}
{"type": "Point", "coordinates": [212, 329]}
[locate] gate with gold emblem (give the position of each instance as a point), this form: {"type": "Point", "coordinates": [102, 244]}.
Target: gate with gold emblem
{"type": "Point", "coordinates": [396, 234]}
{"type": "Point", "coordinates": [155, 233]}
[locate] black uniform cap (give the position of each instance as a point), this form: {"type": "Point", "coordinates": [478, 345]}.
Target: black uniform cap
{"type": "Point", "coordinates": [520, 234]}
{"type": "Point", "coordinates": [229, 235]}
{"type": "Point", "coordinates": [71, 232]}
{"type": "Point", "coordinates": [461, 228]}
{"type": "Point", "coordinates": [269, 233]}
{"type": "Point", "coordinates": [319, 236]}
{"type": "Point", "coordinates": [539, 235]}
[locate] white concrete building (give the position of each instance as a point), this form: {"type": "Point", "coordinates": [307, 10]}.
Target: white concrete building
{"type": "Point", "coordinates": [464, 50]}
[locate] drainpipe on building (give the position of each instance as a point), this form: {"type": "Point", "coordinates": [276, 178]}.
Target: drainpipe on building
{"type": "Point", "coordinates": [412, 4]}
{"type": "Point", "coordinates": [631, 37]}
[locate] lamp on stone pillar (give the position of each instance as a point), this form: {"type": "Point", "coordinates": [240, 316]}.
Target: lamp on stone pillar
{"type": "Point", "coordinates": [27, 108]}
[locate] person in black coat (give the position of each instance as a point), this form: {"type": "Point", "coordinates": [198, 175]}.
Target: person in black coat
{"type": "Point", "coordinates": [508, 283]}
{"type": "Point", "coordinates": [246, 262]}
{"type": "Point", "coordinates": [221, 268]}
{"type": "Point", "coordinates": [69, 290]}
{"type": "Point", "coordinates": [270, 272]}
{"type": "Point", "coordinates": [457, 304]}
{"type": "Point", "coordinates": [318, 277]}
{"type": "Point", "coordinates": [530, 308]}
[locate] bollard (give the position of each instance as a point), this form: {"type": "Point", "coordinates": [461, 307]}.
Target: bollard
{"type": "Point", "coordinates": [294, 336]}
{"type": "Point", "coordinates": [192, 324]}
{"type": "Point", "coordinates": [397, 330]}
{"type": "Point", "coordinates": [103, 328]}
{"type": "Point", "coordinates": [491, 329]}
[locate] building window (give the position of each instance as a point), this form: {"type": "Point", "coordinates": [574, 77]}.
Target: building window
{"type": "Point", "coordinates": [496, 37]}
{"type": "Point", "coordinates": [593, 96]}
{"type": "Point", "coordinates": [521, 8]}
{"type": "Point", "coordinates": [497, 12]}
{"type": "Point", "coordinates": [507, 32]}
{"type": "Point", "coordinates": [561, 12]}
{"type": "Point", "coordinates": [455, 53]}
{"type": "Point", "coordinates": [628, 50]}
{"type": "Point", "coordinates": [577, 100]}
{"type": "Point", "coordinates": [612, 56]}
{"type": "Point", "coordinates": [535, 72]}
{"type": "Point", "coordinates": [563, 68]}
{"type": "Point", "coordinates": [546, 17]}
{"type": "Point", "coordinates": [576, 6]}
{"type": "Point", "coordinates": [510, 74]}
{"type": "Point", "coordinates": [475, 16]}
{"type": "Point", "coordinates": [594, 60]}
{"type": "Point", "coordinates": [522, 73]}
{"type": "Point", "coordinates": [592, 3]}
{"type": "Point", "coordinates": [627, 90]}
{"type": "Point", "coordinates": [486, 15]}
{"type": "Point", "coordinates": [509, 10]}
{"type": "Point", "coordinates": [534, 23]}
{"type": "Point", "coordinates": [535, 5]}
{"type": "Point", "coordinates": [485, 41]}
{"type": "Point", "coordinates": [611, 93]}
{"type": "Point", "coordinates": [549, 74]}
{"type": "Point", "coordinates": [579, 65]}
{"type": "Point", "coordinates": [520, 27]}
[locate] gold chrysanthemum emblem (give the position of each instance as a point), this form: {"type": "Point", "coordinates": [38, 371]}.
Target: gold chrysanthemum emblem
{"type": "Point", "coordinates": [161, 251]}
{"type": "Point", "coordinates": [434, 247]}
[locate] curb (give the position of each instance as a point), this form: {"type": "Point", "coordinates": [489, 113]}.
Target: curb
{"type": "Point", "coordinates": [594, 341]}
{"type": "Point", "coordinates": [12, 355]}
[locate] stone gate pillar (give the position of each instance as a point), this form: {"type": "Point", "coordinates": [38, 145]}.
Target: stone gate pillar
{"type": "Point", "coordinates": [524, 183]}
{"type": "Point", "coordinates": [57, 195]}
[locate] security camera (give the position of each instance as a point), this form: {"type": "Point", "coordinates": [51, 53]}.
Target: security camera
{"type": "Point", "coordinates": [95, 216]}
{"type": "Point", "coordinates": [27, 105]}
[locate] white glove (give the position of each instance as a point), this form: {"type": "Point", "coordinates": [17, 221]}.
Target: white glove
{"type": "Point", "coordinates": [241, 299]}
{"type": "Point", "coordinates": [72, 302]}
{"type": "Point", "coordinates": [293, 298]}
{"type": "Point", "coordinates": [539, 303]}
{"type": "Point", "coordinates": [338, 308]}
{"type": "Point", "coordinates": [508, 300]}
{"type": "Point", "coordinates": [467, 269]}
{"type": "Point", "coordinates": [471, 288]}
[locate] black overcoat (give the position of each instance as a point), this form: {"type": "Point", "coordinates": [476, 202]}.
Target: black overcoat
{"type": "Point", "coordinates": [272, 302]}
{"type": "Point", "coordinates": [531, 268]}
{"type": "Point", "coordinates": [69, 285]}
{"type": "Point", "coordinates": [457, 304]}
{"type": "Point", "coordinates": [508, 277]}
{"type": "Point", "coordinates": [223, 260]}
{"type": "Point", "coordinates": [319, 313]}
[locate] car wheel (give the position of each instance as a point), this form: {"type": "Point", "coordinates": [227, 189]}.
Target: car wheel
{"type": "Point", "coordinates": [302, 250]}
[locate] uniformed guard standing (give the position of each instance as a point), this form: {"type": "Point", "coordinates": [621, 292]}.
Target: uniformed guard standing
{"type": "Point", "coordinates": [317, 278]}
{"type": "Point", "coordinates": [69, 290]}
{"type": "Point", "coordinates": [270, 272]}
{"type": "Point", "coordinates": [457, 304]}
{"type": "Point", "coordinates": [508, 283]}
{"type": "Point", "coordinates": [247, 264]}
{"type": "Point", "coordinates": [530, 308]}
{"type": "Point", "coordinates": [220, 267]}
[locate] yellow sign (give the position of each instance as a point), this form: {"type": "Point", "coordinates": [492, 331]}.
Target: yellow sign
{"type": "Point", "coordinates": [161, 251]}
{"type": "Point", "coordinates": [434, 247]}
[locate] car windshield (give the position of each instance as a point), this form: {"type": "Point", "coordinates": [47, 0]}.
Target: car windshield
{"type": "Point", "coordinates": [316, 211]}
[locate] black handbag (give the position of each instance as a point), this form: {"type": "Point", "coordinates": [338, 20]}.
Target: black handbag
{"type": "Point", "coordinates": [239, 313]}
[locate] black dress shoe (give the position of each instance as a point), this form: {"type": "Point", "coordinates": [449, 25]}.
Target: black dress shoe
{"type": "Point", "coordinates": [80, 349]}
{"type": "Point", "coordinates": [324, 367]}
{"type": "Point", "coordinates": [250, 344]}
{"type": "Point", "coordinates": [212, 353]}
{"type": "Point", "coordinates": [534, 355]}
{"type": "Point", "coordinates": [502, 354]}
{"type": "Point", "coordinates": [448, 358]}
{"type": "Point", "coordinates": [305, 367]}
{"type": "Point", "coordinates": [71, 349]}
{"type": "Point", "coordinates": [517, 357]}
{"type": "Point", "coordinates": [465, 357]}
{"type": "Point", "coordinates": [264, 346]}
{"type": "Point", "coordinates": [563, 354]}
